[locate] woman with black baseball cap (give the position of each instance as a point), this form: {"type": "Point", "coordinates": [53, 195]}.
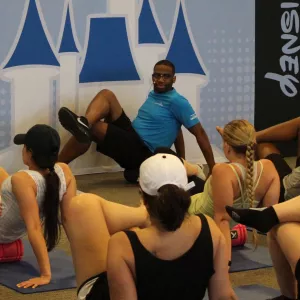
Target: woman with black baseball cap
{"type": "Point", "coordinates": [30, 196]}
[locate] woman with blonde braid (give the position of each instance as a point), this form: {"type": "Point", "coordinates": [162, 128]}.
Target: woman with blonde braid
{"type": "Point", "coordinates": [241, 183]}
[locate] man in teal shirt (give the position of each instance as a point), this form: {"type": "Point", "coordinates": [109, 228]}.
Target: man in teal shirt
{"type": "Point", "coordinates": [158, 124]}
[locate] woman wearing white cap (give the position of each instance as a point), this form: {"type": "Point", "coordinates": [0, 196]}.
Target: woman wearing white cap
{"type": "Point", "coordinates": [177, 257]}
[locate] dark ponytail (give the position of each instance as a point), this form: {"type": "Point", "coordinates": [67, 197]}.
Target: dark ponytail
{"type": "Point", "coordinates": [169, 207]}
{"type": "Point", "coordinates": [51, 210]}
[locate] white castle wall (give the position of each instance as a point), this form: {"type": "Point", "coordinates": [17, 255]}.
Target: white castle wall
{"type": "Point", "coordinates": [68, 84]}
{"type": "Point", "coordinates": [189, 87]}
{"type": "Point", "coordinates": [129, 8]}
{"type": "Point", "coordinates": [31, 96]}
{"type": "Point", "coordinates": [147, 56]}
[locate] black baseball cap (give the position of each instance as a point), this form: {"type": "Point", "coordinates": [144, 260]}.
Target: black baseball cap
{"type": "Point", "coordinates": [44, 143]}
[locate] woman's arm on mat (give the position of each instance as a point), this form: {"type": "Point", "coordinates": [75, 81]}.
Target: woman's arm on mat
{"type": "Point", "coordinates": [219, 285]}
{"type": "Point", "coordinates": [120, 277]}
{"type": "Point", "coordinates": [29, 210]}
{"type": "Point", "coordinates": [222, 193]}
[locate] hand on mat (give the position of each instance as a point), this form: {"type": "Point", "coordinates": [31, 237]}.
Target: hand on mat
{"type": "Point", "coordinates": [34, 282]}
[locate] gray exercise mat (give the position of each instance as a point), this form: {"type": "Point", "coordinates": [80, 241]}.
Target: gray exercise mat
{"type": "Point", "coordinates": [254, 292]}
{"type": "Point", "coordinates": [63, 274]}
{"type": "Point", "coordinates": [244, 258]}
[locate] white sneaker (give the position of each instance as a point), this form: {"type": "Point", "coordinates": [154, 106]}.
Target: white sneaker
{"type": "Point", "coordinates": [201, 173]}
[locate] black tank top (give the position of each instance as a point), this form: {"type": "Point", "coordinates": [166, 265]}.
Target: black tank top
{"type": "Point", "coordinates": [186, 277]}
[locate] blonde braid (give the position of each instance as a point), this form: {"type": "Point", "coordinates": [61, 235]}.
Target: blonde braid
{"type": "Point", "coordinates": [250, 182]}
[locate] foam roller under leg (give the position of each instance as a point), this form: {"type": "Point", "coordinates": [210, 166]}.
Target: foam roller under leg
{"type": "Point", "coordinates": [238, 235]}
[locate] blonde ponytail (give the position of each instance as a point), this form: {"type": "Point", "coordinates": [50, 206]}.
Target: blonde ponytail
{"type": "Point", "coordinates": [250, 182]}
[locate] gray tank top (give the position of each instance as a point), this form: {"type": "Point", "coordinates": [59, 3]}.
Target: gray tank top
{"type": "Point", "coordinates": [12, 226]}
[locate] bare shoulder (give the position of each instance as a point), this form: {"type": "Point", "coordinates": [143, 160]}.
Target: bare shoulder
{"type": "Point", "coordinates": [65, 168]}
{"type": "Point", "coordinates": [23, 185]}
{"type": "Point", "coordinates": [119, 239]}
{"type": "Point", "coordinates": [221, 169]}
{"type": "Point", "coordinates": [22, 178]}
{"type": "Point", "coordinates": [268, 166]}
{"type": "Point", "coordinates": [214, 229]}
{"type": "Point", "coordinates": [120, 244]}
{"type": "Point", "coordinates": [67, 171]}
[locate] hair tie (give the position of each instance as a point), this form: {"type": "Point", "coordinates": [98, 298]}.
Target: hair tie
{"type": "Point", "coordinates": [251, 144]}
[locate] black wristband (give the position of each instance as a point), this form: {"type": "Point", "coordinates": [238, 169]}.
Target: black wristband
{"type": "Point", "coordinates": [229, 263]}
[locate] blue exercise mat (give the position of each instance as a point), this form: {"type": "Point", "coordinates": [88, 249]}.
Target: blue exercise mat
{"type": "Point", "coordinates": [63, 274]}
{"type": "Point", "coordinates": [250, 292]}
{"type": "Point", "coordinates": [244, 258]}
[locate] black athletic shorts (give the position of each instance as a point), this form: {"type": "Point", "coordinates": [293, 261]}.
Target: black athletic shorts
{"type": "Point", "coordinates": [123, 144]}
{"type": "Point", "coordinates": [282, 168]}
{"type": "Point", "coordinates": [95, 288]}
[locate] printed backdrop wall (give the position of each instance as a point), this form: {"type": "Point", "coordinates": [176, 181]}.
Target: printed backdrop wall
{"type": "Point", "coordinates": [61, 53]}
{"type": "Point", "coordinates": [277, 65]}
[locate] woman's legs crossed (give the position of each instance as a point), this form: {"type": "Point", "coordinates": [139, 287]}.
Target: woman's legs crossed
{"type": "Point", "coordinates": [264, 220]}
{"type": "Point", "coordinates": [89, 221]}
{"type": "Point", "coordinates": [104, 105]}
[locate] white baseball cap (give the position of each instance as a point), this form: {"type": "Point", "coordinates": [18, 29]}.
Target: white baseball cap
{"type": "Point", "coordinates": [162, 169]}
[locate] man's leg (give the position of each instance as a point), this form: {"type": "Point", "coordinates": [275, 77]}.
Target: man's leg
{"type": "Point", "coordinates": [265, 149]}
{"type": "Point", "coordinates": [282, 132]}
{"type": "Point", "coordinates": [105, 106]}
{"type": "Point", "coordinates": [270, 152]}
{"type": "Point", "coordinates": [191, 169]}
{"type": "Point", "coordinates": [89, 221]}
{"type": "Point", "coordinates": [194, 170]}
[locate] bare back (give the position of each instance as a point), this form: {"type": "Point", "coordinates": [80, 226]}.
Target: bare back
{"type": "Point", "coordinates": [266, 182]}
{"type": "Point", "coordinates": [169, 248]}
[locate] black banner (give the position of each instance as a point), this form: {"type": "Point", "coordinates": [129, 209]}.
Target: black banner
{"type": "Point", "coordinates": [277, 76]}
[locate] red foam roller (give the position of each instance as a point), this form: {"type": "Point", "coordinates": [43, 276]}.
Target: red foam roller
{"type": "Point", "coordinates": [238, 235]}
{"type": "Point", "coordinates": [12, 251]}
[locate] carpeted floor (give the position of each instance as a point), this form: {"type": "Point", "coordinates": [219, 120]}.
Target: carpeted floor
{"type": "Point", "coordinates": [113, 187]}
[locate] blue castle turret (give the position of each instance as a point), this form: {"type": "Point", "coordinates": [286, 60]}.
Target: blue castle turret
{"type": "Point", "coordinates": [181, 51]}
{"type": "Point", "coordinates": [108, 54]}
{"type": "Point", "coordinates": [33, 47]}
{"type": "Point", "coordinates": [148, 30]}
{"type": "Point", "coordinates": [68, 44]}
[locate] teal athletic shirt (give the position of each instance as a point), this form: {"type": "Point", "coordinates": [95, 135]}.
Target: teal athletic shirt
{"type": "Point", "coordinates": [160, 118]}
